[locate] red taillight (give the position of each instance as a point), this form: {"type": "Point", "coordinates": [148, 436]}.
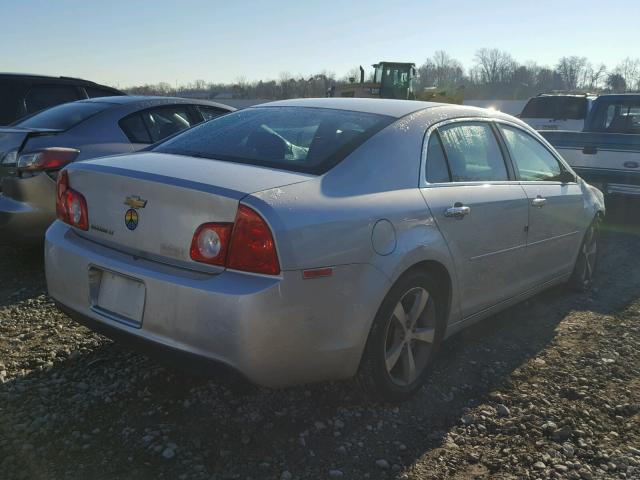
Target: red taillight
{"type": "Point", "coordinates": [71, 206]}
{"type": "Point", "coordinates": [62, 185]}
{"type": "Point", "coordinates": [245, 245]}
{"type": "Point", "coordinates": [252, 247]}
{"type": "Point", "coordinates": [53, 158]}
{"type": "Point", "coordinates": [211, 242]}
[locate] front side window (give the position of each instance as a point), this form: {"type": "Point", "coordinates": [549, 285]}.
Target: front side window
{"type": "Point", "coordinates": [292, 138]}
{"type": "Point", "coordinates": [532, 160]}
{"type": "Point", "coordinates": [45, 96]}
{"type": "Point", "coordinates": [473, 152]}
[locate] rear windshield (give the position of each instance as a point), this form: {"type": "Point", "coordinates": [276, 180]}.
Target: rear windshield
{"type": "Point", "coordinates": [557, 108]}
{"type": "Point", "coordinates": [292, 138]}
{"type": "Point", "coordinates": [63, 117]}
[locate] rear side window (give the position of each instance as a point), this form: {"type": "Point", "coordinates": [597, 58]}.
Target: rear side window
{"type": "Point", "coordinates": [165, 121]}
{"type": "Point", "coordinates": [153, 125]}
{"type": "Point", "coordinates": [63, 117]}
{"type": "Point", "coordinates": [40, 97]}
{"type": "Point", "coordinates": [292, 138]}
{"type": "Point", "coordinates": [473, 152]}
{"type": "Point", "coordinates": [133, 127]}
{"type": "Point", "coordinates": [532, 160]}
{"type": "Point", "coordinates": [209, 113]}
{"type": "Point", "coordinates": [437, 170]}
{"type": "Point", "coordinates": [93, 92]}
{"type": "Point", "coordinates": [8, 103]}
{"type": "Point", "coordinates": [556, 108]}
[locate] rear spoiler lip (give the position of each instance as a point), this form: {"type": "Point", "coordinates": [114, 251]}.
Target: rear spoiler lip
{"type": "Point", "coordinates": [30, 131]}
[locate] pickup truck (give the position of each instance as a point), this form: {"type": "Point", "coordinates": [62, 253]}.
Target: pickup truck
{"type": "Point", "coordinates": [607, 152]}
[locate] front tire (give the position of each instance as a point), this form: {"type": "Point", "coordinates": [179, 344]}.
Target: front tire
{"type": "Point", "coordinates": [587, 261]}
{"type": "Point", "coordinates": [404, 338]}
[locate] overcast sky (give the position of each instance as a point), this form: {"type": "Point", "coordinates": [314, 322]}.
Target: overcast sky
{"type": "Point", "coordinates": [124, 43]}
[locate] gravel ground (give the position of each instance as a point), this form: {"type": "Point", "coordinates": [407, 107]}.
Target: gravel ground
{"type": "Point", "coordinates": [547, 389]}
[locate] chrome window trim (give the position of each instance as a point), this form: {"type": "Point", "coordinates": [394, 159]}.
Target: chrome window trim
{"type": "Point", "coordinates": [425, 145]}
{"type": "Point", "coordinates": [491, 120]}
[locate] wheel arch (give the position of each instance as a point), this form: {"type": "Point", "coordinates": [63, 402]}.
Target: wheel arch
{"type": "Point", "coordinates": [442, 276]}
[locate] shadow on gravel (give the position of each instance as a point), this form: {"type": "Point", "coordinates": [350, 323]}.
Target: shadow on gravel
{"type": "Point", "coordinates": [127, 398]}
{"type": "Point", "coordinates": [21, 271]}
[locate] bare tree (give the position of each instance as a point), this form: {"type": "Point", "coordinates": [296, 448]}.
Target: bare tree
{"type": "Point", "coordinates": [571, 70]}
{"type": "Point", "coordinates": [596, 76]}
{"type": "Point", "coordinates": [629, 69]}
{"type": "Point", "coordinates": [495, 65]}
{"type": "Point", "coordinates": [616, 83]}
{"type": "Point", "coordinates": [440, 70]}
{"type": "Point", "coordinates": [448, 70]}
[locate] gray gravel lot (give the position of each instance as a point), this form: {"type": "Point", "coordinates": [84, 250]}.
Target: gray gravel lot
{"type": "Point", "coordinates": [548, 389]}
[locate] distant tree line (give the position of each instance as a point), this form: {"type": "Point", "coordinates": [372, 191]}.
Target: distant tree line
{"type": "Point", "coordinates": [494, 74]}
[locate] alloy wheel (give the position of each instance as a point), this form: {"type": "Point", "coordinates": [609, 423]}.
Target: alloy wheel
{"type": "Point", "coordinates": [410, 336]}
{"type": "Point", "coordinates": [589, 253]}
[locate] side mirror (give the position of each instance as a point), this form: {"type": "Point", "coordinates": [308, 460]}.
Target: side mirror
{"type": "Point", "coordinates": [567, 177]}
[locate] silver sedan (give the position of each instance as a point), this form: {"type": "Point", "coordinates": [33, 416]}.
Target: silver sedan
{"type": "Point", "coordinates": [318, 239]}
{"type": "Point", "coordinates": [34, 149]}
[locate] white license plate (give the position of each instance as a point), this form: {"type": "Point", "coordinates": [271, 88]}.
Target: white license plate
{"type": "Point", "coordinates": [121, 295]}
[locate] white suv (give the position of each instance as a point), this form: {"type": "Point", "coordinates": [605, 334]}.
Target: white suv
{"type": "Point", "coordinates": [556, 111]}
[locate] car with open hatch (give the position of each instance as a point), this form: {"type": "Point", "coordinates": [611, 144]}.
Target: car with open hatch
{"type": "Point", "coordinates": [319, 239]}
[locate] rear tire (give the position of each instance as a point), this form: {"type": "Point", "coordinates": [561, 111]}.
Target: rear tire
{"type": "Point", "coordinates": [587, 261]}
{"type": "Point", "coordinates": [404, 338]}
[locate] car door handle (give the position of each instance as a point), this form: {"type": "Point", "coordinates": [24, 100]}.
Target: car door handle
{"type": "Point", "coordinates": [631, 164]}
{"type": "Point", "coordinates": [539, 202]}
{"type": "Point", "coordinates": [458, 211]}
{"type": "Point", "coordinates": [590, 150]}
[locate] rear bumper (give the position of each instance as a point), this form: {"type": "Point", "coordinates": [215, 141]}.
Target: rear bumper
{"type": "Point", "coordinates": [275, 331]}
{"type": "Point", "coordinates": [173, 357]}
{"type": "Point", "coordinates": [27, 208]}
{"type": "Point", "coordinates": [21, 222]}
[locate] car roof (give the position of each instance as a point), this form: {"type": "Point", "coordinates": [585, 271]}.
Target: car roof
{"type": "Point", "coordinates": [619, 96]}
{"type": "Point", "coordinates": [33, 76]}
{"type": "Point", "coordinates": [150, 101]}
{"type": "Point", "coordinates": [380, 106]}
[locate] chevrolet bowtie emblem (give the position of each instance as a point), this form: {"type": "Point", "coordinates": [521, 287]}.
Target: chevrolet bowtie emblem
{"type": "Point", "coordinates": [135, 202]}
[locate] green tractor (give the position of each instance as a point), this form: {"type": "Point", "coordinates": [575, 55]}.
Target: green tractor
{"type": "Point", "coordinates": [390, 80]}
{"type": "Point", "coordinates": [395, 80]}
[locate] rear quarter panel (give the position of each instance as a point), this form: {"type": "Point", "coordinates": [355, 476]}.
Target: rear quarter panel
{"type": "Point", "coordinates": [98, 136]}
{"type": "Point", "coordinates": [329, 220]}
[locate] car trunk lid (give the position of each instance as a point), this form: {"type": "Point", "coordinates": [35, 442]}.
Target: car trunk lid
{"type": "Point", "coordinates": [150, 204]}
{"type": "Point", "coordinates": [12, 141]}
